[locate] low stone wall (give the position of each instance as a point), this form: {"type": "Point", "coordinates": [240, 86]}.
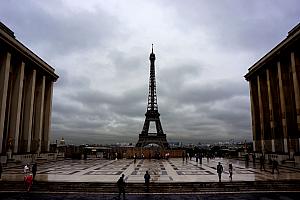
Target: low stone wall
{"type": "Point", "coordinates": [28, 158]}
{"type": "Point", "coordinates": [268, 156]}
{"type": "Point", "coordinates": [24, 158]}
{"type": "Point", "coordinates": [297, 159]}
{"type": "Point", "coordinates": [3, 159]}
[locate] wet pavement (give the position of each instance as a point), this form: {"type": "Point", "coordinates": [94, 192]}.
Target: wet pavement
{"type": "Point", "coordinates": [86, 196]}
{"type": "Point", "coordinates": [172, 170]}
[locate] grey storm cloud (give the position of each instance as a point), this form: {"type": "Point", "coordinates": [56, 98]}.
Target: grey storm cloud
{"type": "Point", "coordinates": [100, 49]}
{"type": "Point", "coordinates": [58, 28]}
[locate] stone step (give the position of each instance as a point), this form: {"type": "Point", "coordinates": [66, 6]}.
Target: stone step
{"type": "Point", "coordinates": [155, 187]}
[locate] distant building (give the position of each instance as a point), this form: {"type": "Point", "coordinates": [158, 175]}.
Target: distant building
{"type": "Point", "coordinates": [275, 98]}
{"type": "Point", "coordinates": [26, 85]}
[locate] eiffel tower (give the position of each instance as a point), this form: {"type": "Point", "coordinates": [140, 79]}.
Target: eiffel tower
{"type": "Point", "coordinates": [152, 114]}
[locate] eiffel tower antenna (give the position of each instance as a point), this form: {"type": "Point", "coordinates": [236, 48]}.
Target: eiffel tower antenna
{"type": "Point", "coordinates": [152, 114]}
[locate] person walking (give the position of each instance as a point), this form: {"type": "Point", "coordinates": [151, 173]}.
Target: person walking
{"type": "Point", "coordinates": [230, 169]}
{"type": "Point", "coordinates": [121, 186]}
{"type": "Point", "coordinates": [262, 162]}
{"type": "Point", "coordinates": [187, 157]}
{"type": "Point", "coordinates": [253, 159]}
{"type": "Point", "coordinates": [28, 179]}
{"type": "Point", "coordinates": [34, 170]}
{"type": "Point", "coordinates": [26, 169]}
{"type": "Point", "coordinates": [274, 166]}
{"type": "Point", "coordinates": [247, 160]}
{"type": "Point", "coordinates": [200, 158]}
{"type": "Point", "coordinates": [219, 170]}
{"type": "Point", "coordinates": [147, 180]}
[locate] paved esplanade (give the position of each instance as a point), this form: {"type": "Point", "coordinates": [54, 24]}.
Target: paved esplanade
{"type": "Point", "coordinates": [172, 170]}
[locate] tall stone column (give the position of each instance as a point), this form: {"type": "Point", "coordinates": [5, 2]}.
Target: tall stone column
{"type": "Point", "coordinates": [283, 108]}
{"type": "Point", "coordinates": [271, 109]}
{"type": "Point", "coordinates": [4, 76]}
{"type": "Point", "coordinates": [261, 114]}
{"type": "Point", "coordinates": [296, 86]}
{"type": "Point", "coordinates": [47, 116]}
{"type": "Point", "coordinates": [15, 114]}
{"type": "Point", "coordinates": [28, 111]}
{"type": "Point", "coordinates": [39, 113]}
{"type": "Point", "coordinates": [253, 116]}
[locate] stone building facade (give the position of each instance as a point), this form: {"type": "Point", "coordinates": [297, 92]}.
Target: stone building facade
{"type": "Point", "coordinates": [26, 88]}
{"type": "Point", "coordinates": [275, 98]}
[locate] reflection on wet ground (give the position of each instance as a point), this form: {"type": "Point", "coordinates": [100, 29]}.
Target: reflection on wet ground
{"type": "Point", "coordinates": [172, 170]}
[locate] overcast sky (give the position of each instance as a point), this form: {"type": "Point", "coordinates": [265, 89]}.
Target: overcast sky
{"type": "Point", "coordinates": [100, 50]}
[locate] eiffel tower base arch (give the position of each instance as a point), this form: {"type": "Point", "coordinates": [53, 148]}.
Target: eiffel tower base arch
{"type": "Point", "coordinates": [160, 140]}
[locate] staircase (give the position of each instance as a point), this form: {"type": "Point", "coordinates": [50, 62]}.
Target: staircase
{"type": "Point", "coordinates": [177, 187]}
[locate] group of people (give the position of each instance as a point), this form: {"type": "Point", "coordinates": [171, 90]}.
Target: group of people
{"type": "Point", "coordinates": [29, 175]}
{"type": "Point", "coordinates": [27, 171]}
{"type": "Point", "coordinates": [220, 171]}
{"type": "Point", "coordinates": [121, 184]}
{"type": "Point", "coordinates": [273, 162]}
{"type": "Point", "coordinates": [198, 156]}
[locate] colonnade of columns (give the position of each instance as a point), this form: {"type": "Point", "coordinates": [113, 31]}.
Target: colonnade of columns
{"type": "Point", "coordinates": [25, 104]}
{"type": "Point", "coordinates": [275, 104]}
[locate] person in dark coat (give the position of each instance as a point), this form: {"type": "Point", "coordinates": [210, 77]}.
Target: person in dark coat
{"type": "Point", "coordinates": [262, 162]}
{"type": "Point", "coordinates": [147, 180]}
{"type": "Point", "coordinates": [121, 186]}
{"type": "Point", "coordinates": [219, 170]}
{"type": "Point", "coordinates": [253, 158]}
{"type": "Point", "coordinates": [200, 158]}
{"type": "Point", "coordinates": [230, 169]}
{"type": "Point", "coordinates": [34, 170]}
{"type": "Point", "coordinates": [274, 166]}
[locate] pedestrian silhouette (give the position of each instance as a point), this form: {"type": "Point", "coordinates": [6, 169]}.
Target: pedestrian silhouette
{"type": "Point", "coordinates": [26, 169]}
{"type": "Point", "coordinates": [262, 163]}
{"type": "Point", "coordinates": [34, 170]}
{"type": "Point", "coordinates": [247, 160]}
{"type": "Point", "coordinates": [147, 180]}
{"type": "Point", "coordinates": [121, 186]}
{"type": "Point", "coordinates": [253, 158]}
{"type": "Point", "coordinates": [186, 157]}
{"type": "Point", "coordinates": [219, 170]}
{"type": "Point", "coordinates": [28, 179]}
{"type": "Point", "coordinates": [230, 169]}
{"type": "Point", "coordinates": [274, 166]}
{"type": "Point", "coordinates": [200, 158]}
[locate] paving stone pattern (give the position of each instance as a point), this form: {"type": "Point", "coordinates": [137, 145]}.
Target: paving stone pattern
{"type": "Point", "coordinates": [172, 170]}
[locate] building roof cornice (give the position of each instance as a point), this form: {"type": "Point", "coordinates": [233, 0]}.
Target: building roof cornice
{"type": "Point", "coordinates": [8, 37]}
{"type": "Point", "coordinates": [293, 35]}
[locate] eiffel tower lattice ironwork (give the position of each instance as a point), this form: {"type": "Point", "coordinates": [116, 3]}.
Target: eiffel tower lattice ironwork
{"type": "Point", "coordinates": [152, 114]}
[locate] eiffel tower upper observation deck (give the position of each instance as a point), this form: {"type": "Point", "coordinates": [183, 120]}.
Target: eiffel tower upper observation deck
{"type": "Point", "coordinates": [152, 114]}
